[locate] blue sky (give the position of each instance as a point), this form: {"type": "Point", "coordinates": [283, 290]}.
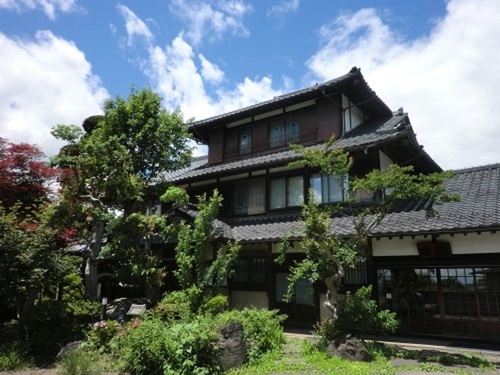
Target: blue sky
{"type": "Point", "coordinates": [437, 59]}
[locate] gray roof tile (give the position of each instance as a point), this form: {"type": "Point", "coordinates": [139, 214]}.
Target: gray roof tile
{"type": "Point", "coordinates": [353, 84]}
{"type": "Point", "coordinates": [371, 133]}
{"type": "Point", "coordinates": [478, 210]}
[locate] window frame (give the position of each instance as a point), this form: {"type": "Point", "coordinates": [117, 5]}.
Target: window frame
{"type": "Point", "coordinates": [250, 273]}
{"type": "Point", "coordinates": [245, 148]}
{"type": "Point", "coordinates": [327, 180]}
{"type": "Point", "coordinates": [254, 191]}
{"type": "Point", "coordinates": [286, 193]}
{"type": "Point", "coordinates": [240, 187]}
{"type": "Point", "coordinates": [284, 127]}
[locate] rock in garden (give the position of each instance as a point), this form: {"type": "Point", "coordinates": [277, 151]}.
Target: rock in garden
{"type": "Point", "coordinates": [349, 348]}
{"type": "Point", "coordinates": [69, 347]}
{"type": "Point", "coordinates": [233, 346]}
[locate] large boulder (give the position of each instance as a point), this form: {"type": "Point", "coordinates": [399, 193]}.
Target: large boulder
{"type": "Point", "coordinates": [233, 346]}
{"type": "Point", "coordinates": [349, 348]}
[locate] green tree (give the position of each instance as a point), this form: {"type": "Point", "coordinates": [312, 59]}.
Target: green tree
{"type": "Point", "coordinates": [200, 270]}
{"type": "Point", "coordinates": [327, 254]}
{"type": "Point", "coordinates": [33, 261]}
{"type": "Point", "coordinates": [115, 165]}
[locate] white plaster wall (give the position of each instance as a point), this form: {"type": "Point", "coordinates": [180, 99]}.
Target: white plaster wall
{"type": "Point", "coordinates": [385, 161]}
{"type": "Point", "coordinates": [240, 299]}
{"type": "Point", "coordinates": [472, 243]}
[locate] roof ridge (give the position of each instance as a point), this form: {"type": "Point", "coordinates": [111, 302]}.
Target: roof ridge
{"type": "Point", "coordinates": [476, 168]}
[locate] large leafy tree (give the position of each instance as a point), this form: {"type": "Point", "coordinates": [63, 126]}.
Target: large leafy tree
{"type": "Point", "coordinates": [116, 164]}
{"type": "Point", "coordinates": [33, 260]}
{"type": "Point", "coordinates": [327, 253]}
{"type": "Point", "coordinates": [32, 257]}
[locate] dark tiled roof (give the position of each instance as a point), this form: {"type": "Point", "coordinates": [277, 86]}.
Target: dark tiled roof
{"type": "Point", "coordinates": [275, 228]}
{"type": "Point", "coordinates": [267, 228]}
{"type": "Point", "coordinates": [477, 210]}
{"type": "Point", "coordinates": [196, 163]}
{"type": "Point", "coordinates": [352, 84]}
{"type": "Point", "coordinates": [371, 133]}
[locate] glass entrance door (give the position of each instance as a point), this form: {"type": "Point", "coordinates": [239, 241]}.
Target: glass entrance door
{"type": "Point", "coordinates": [301, 309]}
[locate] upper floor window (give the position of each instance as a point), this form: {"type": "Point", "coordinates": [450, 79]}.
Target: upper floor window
{"type": "Point", "coordinates": [249, 197]}
{"type": "Point", "coordinates": [245, 141]}
{"type": "Point", "coordinates": [353, 116]}
{"type": "Point", "coordinates": [286, 192]}
{"type": "Point", "coordinates": [284, 131]}
{"type": "Point", "coordinates": [327, 189]}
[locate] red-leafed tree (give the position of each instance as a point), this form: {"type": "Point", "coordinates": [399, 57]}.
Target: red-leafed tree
{"type": "Point", "coordinates": [24, 176]}
{"type": "Point", "coordinates": [33, 257]}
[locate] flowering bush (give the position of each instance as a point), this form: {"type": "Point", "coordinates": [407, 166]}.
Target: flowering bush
{"type": "Point", "coordinates": [106, 335]}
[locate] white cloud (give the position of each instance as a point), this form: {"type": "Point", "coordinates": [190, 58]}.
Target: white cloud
{"type": "Point", "coordinates": [447, 81]}
{"type": "Point", "coordinates": [50, 83]}
{"type": "Point", "coordinates": [250, 92]}
{"type": "Point", "coordinates": [211, 19]}
{"type": "Point", "coordinates": [49, 7]}
{"type": "Point", "coordinates": [284, 8]}
{"type": "Point", "coordinates": [174, 73]}
{"type": "Point", "coordinates": [210, 72]}
{"type": "Point", "coordinates": [136, 28]}
{"type": "Point", "coordinates": [176, 76]}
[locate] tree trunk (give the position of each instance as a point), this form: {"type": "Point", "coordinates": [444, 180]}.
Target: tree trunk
{"type": "Point", "coordinates": [91, 267]}
{"type": "Point", "coordinates": [332, 301]}
{"type": "Point", "coordinates": [24, 310]}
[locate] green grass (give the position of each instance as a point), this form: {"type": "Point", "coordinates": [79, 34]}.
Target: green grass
{"type": "Point", "coordinates": [81, 362]}
{"type": "Point", "coordinates": [300, 356]}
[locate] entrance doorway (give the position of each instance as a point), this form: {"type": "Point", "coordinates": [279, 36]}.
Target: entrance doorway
{"type": "Point", "coordinates": [301, 309]}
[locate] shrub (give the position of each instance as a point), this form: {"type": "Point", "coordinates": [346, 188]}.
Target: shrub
{"type": "Point", "coordinates": [53, 323]}
{"type": "Point", "coordinates": [214, 305]}
{"type": "Point", "coordinates": [178, 305]}
{"type": "Point", "coordinates": [325, 332]}
{"type": "Point", "coordinates": [102, 333]}
{"type": "Point", "coordinates": [12, 357]}
{"type": "Point", "coordinates": [359, 317]}
{"type": "Point", "coordinates": [180, 348]}
{"type": "Point", "coordinates": [262, 329]}
{"type": "Point", "coordinates": [80, 362]}
{"type": "Point", "coordinates": [144, 352]}
{"type": "Point", "coordinates": [193, 349]}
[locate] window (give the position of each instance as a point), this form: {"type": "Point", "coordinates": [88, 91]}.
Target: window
{"type": "Point", "coordinates": [245, 141]}
{"type": "Point", "coordinates": [303, 293]}
{"type": "Point", "coordinates": [249, 197]}
{"type": "Point", "coordinates": [286, 192]}
{"type": "Point", "coordinates": [250, 271]}
{"type": "Point", "coordinates": [327, 189]}
{"type": "Point", "coordinates": [240, 198]}
{"type": "Point", "coordinates": [353, 116]}
{"type": "Point", "coordinates": [284, 131]}
{"type": "Point", "coordinates": [357, 275]}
